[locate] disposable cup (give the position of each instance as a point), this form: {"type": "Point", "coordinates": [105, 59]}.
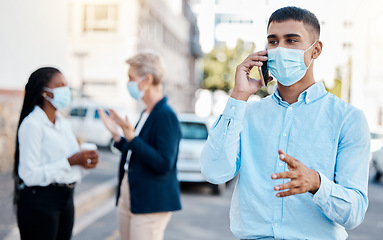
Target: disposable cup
{"type": "Point", "coordinates": [88, 146]}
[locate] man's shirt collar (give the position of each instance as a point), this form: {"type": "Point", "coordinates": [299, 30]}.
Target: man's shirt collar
{"type": "Point", "coordinates": [311, 94]}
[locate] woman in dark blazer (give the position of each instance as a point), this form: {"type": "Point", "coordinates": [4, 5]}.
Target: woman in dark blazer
{"type": "Point", "coordinates": [148, 187]}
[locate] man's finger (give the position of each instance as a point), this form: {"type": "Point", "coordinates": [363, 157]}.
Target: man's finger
{"type": "Point", "coordinates": [290, 192]}
{"type": "Point", "coordinates": [255, 58]}
{"type": "Point", "coordinates": [284, 175]}
{"type": "Point", "coordinates": [248, 65]}
{"type": "Point", "coordinates": [292, 162]}
{"type": "Point", "coordinates": [288, 185]}
{"type": "Point", "coordinates": [258, 54]}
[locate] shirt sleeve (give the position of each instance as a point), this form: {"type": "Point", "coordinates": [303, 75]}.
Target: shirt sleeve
{"type": "Point", "coordinates": [220, 159]}
{"type": "Point", "coordinates": [344, 200]}
{"type": "Point", "coordinates": [32, 170]}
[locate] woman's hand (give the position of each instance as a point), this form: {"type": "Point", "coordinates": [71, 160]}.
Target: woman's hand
{"type": "Point", "coordinates": [127, 128]}
{"type": "Point", "coordinates": [110, 124]}
{"type": "Point", "coordinates": [85, 158]}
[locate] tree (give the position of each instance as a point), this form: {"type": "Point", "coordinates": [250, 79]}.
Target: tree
{"type": "Point", "coordinates": [337, 87]}
{"type": "Point", "coordinates": [220, 65]}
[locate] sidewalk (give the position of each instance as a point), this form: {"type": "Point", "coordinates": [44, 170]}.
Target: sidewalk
{"type": "Point", "coordinates": [7, 216]}
{"type": "Point", "coordinates": [97, 186]}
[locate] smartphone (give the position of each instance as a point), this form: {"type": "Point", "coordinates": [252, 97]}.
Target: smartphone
{"type": "Point", "coordinates": [264, 73]}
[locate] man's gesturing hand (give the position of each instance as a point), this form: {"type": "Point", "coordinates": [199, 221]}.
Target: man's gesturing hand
{"type": "Point", "coordinates": [303, 179]}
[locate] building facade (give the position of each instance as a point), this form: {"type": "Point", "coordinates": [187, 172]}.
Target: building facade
{"type": "Point", "coordinates": [89, 41]}
{"type": "Point", "coordinates": [104, 33]}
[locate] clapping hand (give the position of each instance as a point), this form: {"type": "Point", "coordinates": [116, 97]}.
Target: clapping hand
{"type": "Point", "coordinates": [111, 125]}
{"type": "Point", "coordinates": [114, 122]}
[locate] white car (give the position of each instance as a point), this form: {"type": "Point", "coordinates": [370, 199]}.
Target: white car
{"type": "Point", "coordinates": [88, 127]}
{"type": "Point", "coordinates": [195, 131]}
{"type": "Point", "coordinates": [377, 153]}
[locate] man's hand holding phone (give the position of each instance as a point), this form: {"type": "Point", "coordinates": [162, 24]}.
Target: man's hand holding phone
{"type": "Point", "coordinates": [244, 85]}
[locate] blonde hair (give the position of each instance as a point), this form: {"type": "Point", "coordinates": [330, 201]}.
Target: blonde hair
{"type": "Point", "coordinates": [148, 62]}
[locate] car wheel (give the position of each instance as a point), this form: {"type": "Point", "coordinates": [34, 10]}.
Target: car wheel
{"type": "Point", "coordinates": [112, 148]}
{"type": "Point", "coordinates": [217, 189]}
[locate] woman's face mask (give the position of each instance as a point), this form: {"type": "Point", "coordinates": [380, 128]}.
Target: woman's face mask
{"type": "Point", "coordinates": [133, 89]}
{"type": "Point", "coordinates": [287, 65]}
{"type": "Point", "coordinates": [61, 97]}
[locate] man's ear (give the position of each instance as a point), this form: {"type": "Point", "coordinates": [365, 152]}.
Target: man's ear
{"type": "Point", "coordinates": [317, 49]}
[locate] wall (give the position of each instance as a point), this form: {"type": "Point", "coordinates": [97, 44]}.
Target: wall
{"type": "Point", "coordinates": [10, 106]}
{"type": "Point", "coordinates": [34, 35]}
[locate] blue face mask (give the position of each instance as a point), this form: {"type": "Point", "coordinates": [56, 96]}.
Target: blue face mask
{"type": "Point", "coordinates": [61, 97]}
{"type": "Point", "coordinates": [134, 91]}
{"type": "Point", "coordinates": [287, 65]}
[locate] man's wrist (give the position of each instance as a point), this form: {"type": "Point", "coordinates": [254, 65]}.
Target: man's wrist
{"type": "Point", "coordinates": [316, 181]}
{"type": "Point", "coordinates": [239, 95]}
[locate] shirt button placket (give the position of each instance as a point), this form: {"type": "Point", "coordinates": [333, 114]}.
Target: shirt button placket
{"type": "Point", "coordinates": [278, 209]}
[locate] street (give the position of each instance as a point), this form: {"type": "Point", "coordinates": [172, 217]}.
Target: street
{"type": "Point", "coordinates": [206, 217]}
{"type": "Point", "coordinates": [203, 217]}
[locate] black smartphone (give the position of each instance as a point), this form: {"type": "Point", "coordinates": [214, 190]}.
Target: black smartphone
{"type": "Point", "coordinates": [264, 73]}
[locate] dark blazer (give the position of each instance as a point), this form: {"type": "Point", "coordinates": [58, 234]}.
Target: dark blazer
{"type": "Point", "coordinates": [152, 172]}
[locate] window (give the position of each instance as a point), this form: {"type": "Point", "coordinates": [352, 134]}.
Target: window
{"type": "Point", "coordinates": [376, 135]}
{"type": "Point", "coordinates": [78, 112]}
{"type": "Point", "coordinates": [193, 130]}
{"type": "Point", "coordinates": [97, 116]}
{"type": "Point", "coordinates": [100, 18]}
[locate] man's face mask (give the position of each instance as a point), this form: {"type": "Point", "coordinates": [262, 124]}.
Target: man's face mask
{"type": "Point", "coordinates": [287, 65]}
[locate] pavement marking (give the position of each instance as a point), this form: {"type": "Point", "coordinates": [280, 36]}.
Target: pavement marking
{"type": "Point", "coordinates": [91, 217]}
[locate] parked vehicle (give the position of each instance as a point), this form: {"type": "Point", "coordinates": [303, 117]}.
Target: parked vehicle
{"type": "Point", "coordinates": [195, 131]}
{"type": "Point", "coordinates": [88, 127]}
{"type": "Point", "coordinates": [377, 153]}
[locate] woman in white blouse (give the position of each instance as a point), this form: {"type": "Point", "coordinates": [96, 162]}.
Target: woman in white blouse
{"type": "Point", "coordinates": [48, 161]}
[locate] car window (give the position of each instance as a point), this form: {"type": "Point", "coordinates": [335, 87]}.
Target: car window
{"type": "Point", "coordinates": [97, 116]}
{"type": "Point", "coordinates": [193, 130]}
{"type": "Point", "coordinates": [376, 136]}
{"type": "Point", "coordinates": [78, 112]}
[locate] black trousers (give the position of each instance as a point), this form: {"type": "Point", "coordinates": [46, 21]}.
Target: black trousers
{"type": "Point", "coordinates": [45, 213]}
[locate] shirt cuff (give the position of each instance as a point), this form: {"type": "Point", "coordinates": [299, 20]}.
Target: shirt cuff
{"type": "Point", "coordinates": [235, 109]}
{"type": "Point", "coordinates": [322, 196]}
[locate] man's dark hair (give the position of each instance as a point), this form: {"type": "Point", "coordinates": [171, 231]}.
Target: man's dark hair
{"type": "Point", "coordinates": [297, 14]}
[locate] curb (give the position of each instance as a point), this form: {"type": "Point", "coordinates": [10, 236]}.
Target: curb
{"type": "Point", "coordinates": [88, 200]}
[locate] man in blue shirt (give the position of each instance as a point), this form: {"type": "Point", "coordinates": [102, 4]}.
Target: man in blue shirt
{"type": "Point", "coordinates": [301, 153]}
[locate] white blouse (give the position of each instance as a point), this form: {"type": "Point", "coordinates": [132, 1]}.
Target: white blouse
{"type": "Point", "coordinates": [137, 131]}
{"type": "Point", "coordinates": [44, 150]}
